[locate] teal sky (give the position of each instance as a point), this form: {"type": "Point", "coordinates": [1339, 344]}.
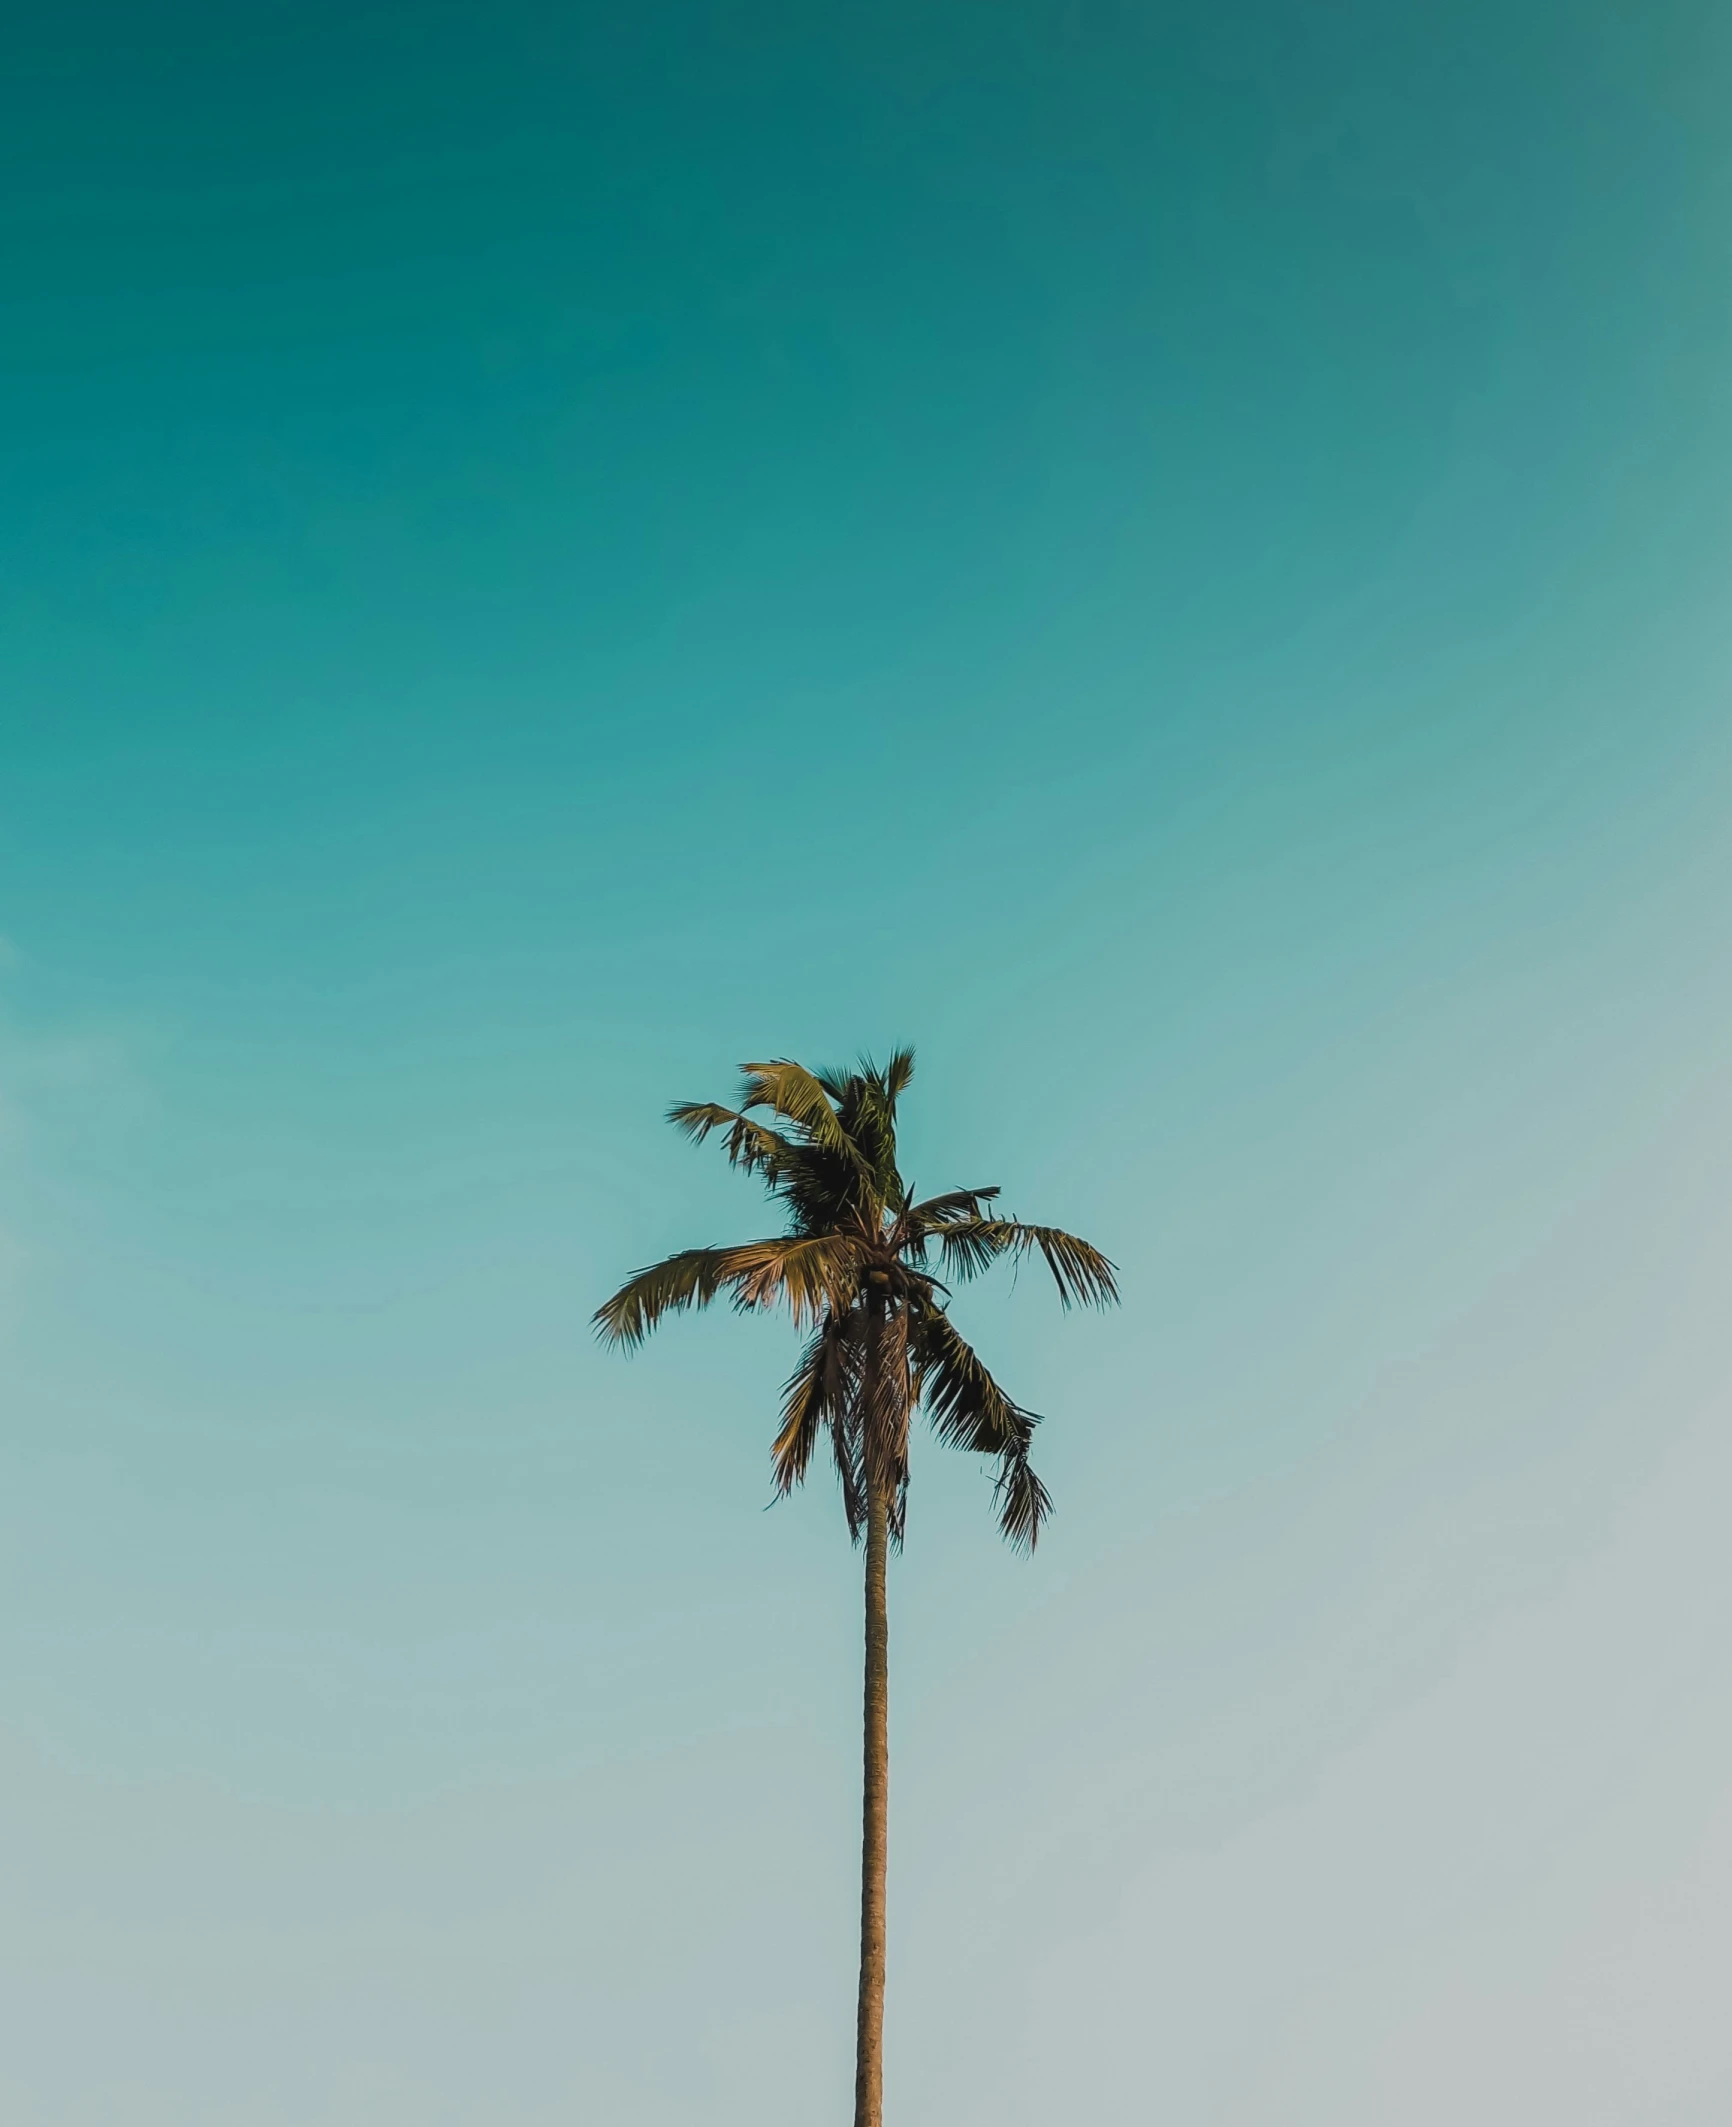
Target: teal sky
{"type": "Point", "coordinates": [1175, 558]}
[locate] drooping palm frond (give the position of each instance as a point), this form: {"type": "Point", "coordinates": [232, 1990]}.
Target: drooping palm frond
{"type": "Point", "coordinates": [1079, 1270]}
{"type": "Point", "coordinates": [847, 1448]}
{"type": "Point", "coordinates": [798, 1272]}
{"type": "Point", "coordinates": [821, 1393]}
{"type": "Point", "coordinates": [1024, 1503]}
{"type": "Point", "coordinates": [967, 1407]}
{"type": "Point", "coordinates": [969, 1410]}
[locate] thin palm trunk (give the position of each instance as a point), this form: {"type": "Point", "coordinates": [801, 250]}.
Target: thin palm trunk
{"type": "Point", "coordinates": [874, 1840]}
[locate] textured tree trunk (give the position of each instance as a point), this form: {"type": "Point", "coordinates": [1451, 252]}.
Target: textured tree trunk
{"type": "Point", "coordinates": [874, 1841]}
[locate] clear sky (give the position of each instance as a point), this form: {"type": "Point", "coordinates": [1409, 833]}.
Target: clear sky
{"type": "Point", "coordinates": [1174, 557]}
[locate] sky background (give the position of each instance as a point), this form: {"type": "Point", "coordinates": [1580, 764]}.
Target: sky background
{"type": "Point", "coordinates": [1177, 559]}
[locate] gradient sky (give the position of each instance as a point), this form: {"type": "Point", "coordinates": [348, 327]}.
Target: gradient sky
{"type": "Point", "coordinates": [1176, 558]}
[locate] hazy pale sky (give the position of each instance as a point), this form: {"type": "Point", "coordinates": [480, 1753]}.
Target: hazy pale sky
{"type": "Point", "coordinates": [1175, 558]}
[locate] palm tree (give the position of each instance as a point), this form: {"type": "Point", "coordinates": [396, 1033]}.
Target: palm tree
{"type": "Point", "coordinates": [854, 1269]}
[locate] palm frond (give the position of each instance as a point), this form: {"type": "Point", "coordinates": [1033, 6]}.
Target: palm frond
{"type": "Point", "coordinates": [697, 1118]}
{"type": "Point", "coordinates": [849, 1116]}
{"type": "Point", "coordinates": [1024, 1503]}
{"type": "Point", "coordinates": [819, 1394]}
{"type": "Point", "coordinates": [969, 1246]}
{"type": "Point", "coordinates": [690, 1279]}
{"type": "Point", "coordinates": [953, 1205]}
{"type": "Point", "coordinates": [1079, 1269]}
{"type": "Point", "coordinates": [751, 1145]}
{"type": "Point", "coordinates": [800, 1273]}
{"type": "Point", "coordinates": [967, 1407]}
{"type": "Point", "coordinates": [896, 1074]}
{"type": "Point", "coordinates": [804, 1272]}
{"type": "Point", "coordinates": [791, 1090]}
{"type": "Point", "coordinates": [821, 1187]}
{"type": "Point", "coordinates": [868, 1115]}
{"type": "Point", "coordinates": [850, 1463]}
{"type": "Point", "coordinates": [969, 1410]}
{"type": "Point", "coordinates": [824, 1395]}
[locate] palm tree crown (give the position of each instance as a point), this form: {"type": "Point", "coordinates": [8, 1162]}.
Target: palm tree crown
{"type": "Point", "coordinates": [858, 1268]}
